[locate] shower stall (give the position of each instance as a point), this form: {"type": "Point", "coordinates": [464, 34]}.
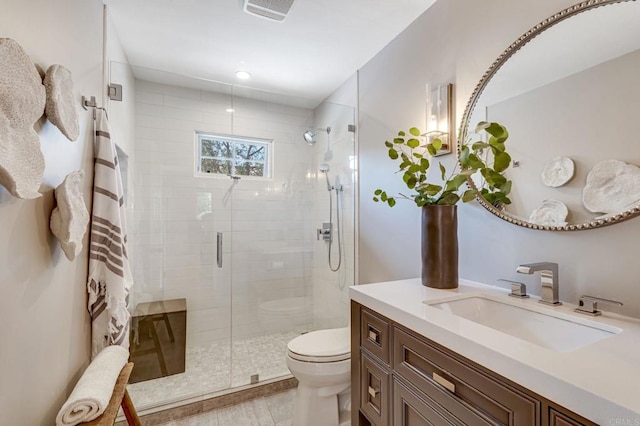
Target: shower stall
{"type": "Point", "coordinates": [226, 190]}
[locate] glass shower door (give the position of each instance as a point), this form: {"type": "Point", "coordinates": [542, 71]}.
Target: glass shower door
{"type": "Point", "coordinates": [271, 239]}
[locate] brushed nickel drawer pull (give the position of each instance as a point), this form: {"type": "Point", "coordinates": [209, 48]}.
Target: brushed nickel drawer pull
{"type": "Point", "coordinates": [444, 382]}
{"type": "Point", "coordinates": [373, 392]}
{"type": "Point", "coordinates": [374, 334]}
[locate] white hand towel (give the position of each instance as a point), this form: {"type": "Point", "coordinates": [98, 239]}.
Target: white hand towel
{"type": "Point", "coordinates": [93, 391]}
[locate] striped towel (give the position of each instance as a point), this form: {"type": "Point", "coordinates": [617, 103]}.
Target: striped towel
{"type": "Point", "coordinates": [109, 273]}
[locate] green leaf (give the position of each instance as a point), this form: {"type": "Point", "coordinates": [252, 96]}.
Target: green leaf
{"type": "Point", "coordinates": [505, 188]}
{"type": "Point", "coordinates": [497, 198]}
{"type": "Point", "coordinates": [413, 143]}
{"type": "Point", "coordinates": [469, 195]}
{"type": "Point", "coordinates": [498, 131]}
{"type": "Point", "coordinates": [414, 168]}
{"type": "Point", "coordinates": [393, 154]}
{"type": "Point", "coordinates": [464, 157]}
{"type": "Point", "coordinates": [378, 191]}
{"type": "Point", "coordinates": [412, 182]}
{"type": "Point", "coordinates": [493, 178]}
{"type": "Point", "coordinates": [391, 202]}
{"type": "Point", "coordinates": [405, 164]}
{"type": "Point", "coordinates": [398, 140]}
{"type": "Point", "coordinates": [401, 133]}
{"type": "Point", "coordinates": [432, 150]}
{"type": "Point", "coordinates": [454, 183]}
{"type": "Point", "coordinates": [443, 171]}
{"type": "Point", "coordinates": [415, 154]}
{"type": "Point", "coordinates": [481, 126]}
{"type": "Point", "coordinates": [501, 162]}
{"type": "Point", "coordinates": [388, 144]}
{"type": "Point", "coordinates": [424, 165]}
{"type": "Point", "coordinates": [490, 197]}
{"type": "Point", "coordinates": [375, 199]}
{"type": "Point", "coordinates": [430, 189]}
{"type": "Point", "coordinates": [496, 145]}
{"type": "Point", "coordinates": [383, 196]}
{"type": "Point", "coordinates": [437, 144]}
{"type": "Point", "coordinates": [449, 199]}
{"type": "Point", "coordinates": [414, 131]}
{"type": "Point", "coordinates": [479, 145]}
{"type": "Point", "coordinates": [475, 163]}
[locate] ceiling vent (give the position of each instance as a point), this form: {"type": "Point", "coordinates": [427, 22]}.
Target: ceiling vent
{"type": "Point", "coordinates": [274, 10]}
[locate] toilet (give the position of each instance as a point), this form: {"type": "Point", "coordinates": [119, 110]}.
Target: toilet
{"type": "Point", "coordinates": [321, 361]}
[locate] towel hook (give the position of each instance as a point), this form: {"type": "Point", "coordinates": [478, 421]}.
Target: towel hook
{"type": "Point", "coordinates": [91, 103]}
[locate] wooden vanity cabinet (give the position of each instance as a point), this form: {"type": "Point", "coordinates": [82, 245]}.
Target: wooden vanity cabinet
{"type": "Point", "coordinates": [401, 378]}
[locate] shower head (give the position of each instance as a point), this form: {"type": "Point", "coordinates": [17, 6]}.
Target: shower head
{"type": "Point", "coordinates": [310, 135]}
{"type": "Point", "coordinates": [324, 167]}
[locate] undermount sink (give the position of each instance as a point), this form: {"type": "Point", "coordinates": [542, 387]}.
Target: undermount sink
{"type": "Point", "coordinates": [556, 331]}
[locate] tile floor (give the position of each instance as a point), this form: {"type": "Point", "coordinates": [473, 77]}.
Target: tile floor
{"type": "Point", "coordinates": [273, 410]}
{"type": "Point", "coordinates": [215, 367]}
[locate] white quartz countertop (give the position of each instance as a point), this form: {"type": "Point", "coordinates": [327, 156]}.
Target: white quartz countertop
{"type": "Point", "coordinates": [600, 381]}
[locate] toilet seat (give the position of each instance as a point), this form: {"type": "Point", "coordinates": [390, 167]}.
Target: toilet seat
{"type": "Point", "coordinates": [321, 346]}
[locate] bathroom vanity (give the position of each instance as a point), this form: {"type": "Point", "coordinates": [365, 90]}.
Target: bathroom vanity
{"type": "Point", "coordinates": [417, 360]}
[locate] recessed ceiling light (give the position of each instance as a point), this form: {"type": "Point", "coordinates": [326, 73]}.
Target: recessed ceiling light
{"type": "Point", "coordinates": [230, 110]}
{"type": "Point", "coordinates": [243, 75]}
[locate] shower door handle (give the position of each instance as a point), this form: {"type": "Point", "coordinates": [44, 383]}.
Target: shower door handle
{"type": "Point", "coordinates": [219, 249]}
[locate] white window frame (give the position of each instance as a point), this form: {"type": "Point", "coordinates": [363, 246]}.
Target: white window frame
{"type": "Point", "coordinates": [233, 140]}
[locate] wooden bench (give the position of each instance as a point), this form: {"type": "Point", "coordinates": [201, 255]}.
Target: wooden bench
{"type": "Point", "coordinates": [119, 398]}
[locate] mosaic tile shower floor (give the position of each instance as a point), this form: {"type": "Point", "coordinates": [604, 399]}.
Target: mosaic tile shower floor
{"type": "Point", "coordinates": [215, 367]}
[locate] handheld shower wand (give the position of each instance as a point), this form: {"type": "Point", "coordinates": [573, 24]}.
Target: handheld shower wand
{"type": "Point", "coordinates": [324, 168]}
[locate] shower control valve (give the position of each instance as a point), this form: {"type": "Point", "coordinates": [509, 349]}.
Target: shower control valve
{"type": "Point", "coordinates": [324, 233]}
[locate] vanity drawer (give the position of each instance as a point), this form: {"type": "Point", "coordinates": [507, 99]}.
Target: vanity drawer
{"type": "Point", "coordinates": [459, 387]}
{"type": "Point", "coordinates": [410, 410]}
{"type": "Point", "coordinates": [374, 391]}
{"type": "Point", "coordinates": [557, 418]}
{"type": "Point", "coordinates": [375, 335]}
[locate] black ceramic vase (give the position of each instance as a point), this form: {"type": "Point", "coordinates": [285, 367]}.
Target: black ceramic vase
{"type": "Point", "coordinates": [440, 246]}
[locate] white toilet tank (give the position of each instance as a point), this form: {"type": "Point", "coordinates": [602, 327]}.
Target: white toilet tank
{"type": "Point", "coordinates": [282, 315]}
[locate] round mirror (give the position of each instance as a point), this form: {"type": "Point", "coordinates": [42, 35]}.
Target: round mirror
{"type": "Point", "coordinates": [568, 91]}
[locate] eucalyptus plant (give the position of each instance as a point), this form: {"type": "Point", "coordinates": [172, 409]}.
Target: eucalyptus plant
{"type": "Point", "coordinates": [490, 159]}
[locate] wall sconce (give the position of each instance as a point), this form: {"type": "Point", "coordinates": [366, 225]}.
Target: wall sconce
{"type": "Point", "coordinates": [440, 118]}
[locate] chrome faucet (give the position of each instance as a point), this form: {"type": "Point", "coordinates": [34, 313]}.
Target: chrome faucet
{"type": "Point", "coordinates": [548, 280]}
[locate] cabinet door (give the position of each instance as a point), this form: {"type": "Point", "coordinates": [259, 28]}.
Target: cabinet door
{"type": "Point", "coordinates": [459, 387]}
{"type": "Point", "coordinates": [410, 410]}
{"type": "Point", "coordinates": [374, 391]}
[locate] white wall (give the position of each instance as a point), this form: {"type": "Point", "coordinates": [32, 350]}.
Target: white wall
{"type": "Point", "coordinates": [45, 331]}
{"type": "Point", "coordinates": [458, 40]}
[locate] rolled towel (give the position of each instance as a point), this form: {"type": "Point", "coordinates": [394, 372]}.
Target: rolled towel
{"type": "Point", "coordinates": [93, 391]}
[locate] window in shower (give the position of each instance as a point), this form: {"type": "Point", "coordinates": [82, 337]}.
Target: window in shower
{"type": "Point", "coordinates": [233, 155]}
